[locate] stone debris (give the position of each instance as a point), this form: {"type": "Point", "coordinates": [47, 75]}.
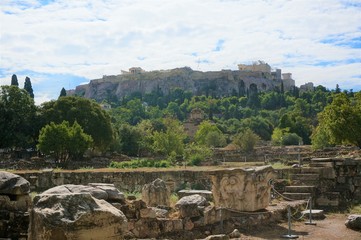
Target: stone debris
{"type": "Point", "coordinates": [15, 202]}
{"type": "Point", "coordinates": [156, 193]}
{"type": "Point", "coordinates": [190, 206]}
{"type": "Point", "coordinates": [354, 222]}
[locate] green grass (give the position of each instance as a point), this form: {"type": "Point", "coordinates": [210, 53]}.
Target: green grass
{"type": "Point", "coordinates": [140, 163]}
{"type": "Point", "coordinates": [356, 209]}
{"type": "Point", "coordinates": [279, 165]}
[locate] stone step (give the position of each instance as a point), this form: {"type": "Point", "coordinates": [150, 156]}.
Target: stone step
{"type": "Point", "coordinates": [296, 196]}
{"type": "Point", "coordinates": [300, 189]}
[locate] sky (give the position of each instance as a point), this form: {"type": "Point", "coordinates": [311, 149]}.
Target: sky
{"type": "Point", "coordinates": [65, 43]}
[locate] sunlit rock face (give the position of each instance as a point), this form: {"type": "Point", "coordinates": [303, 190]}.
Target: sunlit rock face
{"type": "Point", "coordinates": [242, 189]}
{"type": "Point", "coordinates": [75, 216]}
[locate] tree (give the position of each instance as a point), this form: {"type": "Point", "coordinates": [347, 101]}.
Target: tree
{"type": "Point", "coordinates": [246, 140]}
{"type": "Point", "coordinates": [18, 122]}
{"type": "Point", "coordinates": [62, 93]}
{"type": "Point", "coordinates": [204, 129]}
{"type": "Point", "coordinates": [170, 141]}
{"type": "Point", "coordinates": [28, 87]}
{"type": "Point", "coordinates": [129, 139]}
{"type": "Point", "coordinates": [63, 141]}
{"type": "Point", "coordinates": [95, 121]}
{"type": "Point", "coordinates": [14, 80]}
{"type": "Point", "coordinates": [340, 121]}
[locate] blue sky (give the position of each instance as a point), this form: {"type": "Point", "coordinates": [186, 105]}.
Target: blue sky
{"type": "Point", "coordinates": [64, 43]}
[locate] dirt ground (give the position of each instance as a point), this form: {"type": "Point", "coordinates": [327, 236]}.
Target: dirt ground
{"type": "Point", "coordinates": [331, 228]}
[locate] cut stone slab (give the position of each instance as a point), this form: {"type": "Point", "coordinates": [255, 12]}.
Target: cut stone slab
{"type": "Point", "coordinates": [189, 206]}
{"type": "Point", "coordinates": [156, 193]}
{"type": "Point", "coordinates": [204, 193]}
{"type": "Point", "coordinates": [316, 214]}
{"type": "Point", "coordinates": [297, 196]}
{"type": "Point", "coordinates": [71, 188]}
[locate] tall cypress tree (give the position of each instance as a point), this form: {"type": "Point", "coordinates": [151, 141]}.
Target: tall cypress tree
{"type": "Point", "coordinates": [28, 87]}
{"type": "Point", "coordinates": [62, 93]}
{"type": "Point", "coordinates": [14, 80]}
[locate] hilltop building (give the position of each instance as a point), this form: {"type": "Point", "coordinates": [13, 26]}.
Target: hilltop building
{"type": "Point", "coordinates": [133, 70]}
{"type": "Point", "coordinates": [306, 87]}
{"type": "Point", "coordinates": [265, 69]}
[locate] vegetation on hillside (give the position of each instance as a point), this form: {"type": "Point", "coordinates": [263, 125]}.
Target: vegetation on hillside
{"type": "Point", "coordinates": [153, 124]}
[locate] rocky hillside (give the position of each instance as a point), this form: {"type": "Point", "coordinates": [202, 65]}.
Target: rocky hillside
{"type": "Point", "coordinates": [215, 83]}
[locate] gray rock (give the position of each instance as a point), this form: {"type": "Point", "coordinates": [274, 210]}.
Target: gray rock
{"type": "Point", "coordinates": [190, 206]}
{"type": "Point", "coordinates": [156, 193]}
{"type": "Point", "coordinates": [70, 188]}
{"type": "Point", "coordinates": [354, 222]}
{"type": "Point", "coordinates": [161, 213]}
{"type": "Point", "coordinates": [113, 193]}
{"type": "Point", "coordinates": [13, 184]}
{"type": "Point", "coordinates": [75, 216]}
{"type": "Point", "coordinates": [217, 237]}
{"type": "Point", "coordinates": [235, 234]}
{"type": "Point", "coordinates": [204, 193]}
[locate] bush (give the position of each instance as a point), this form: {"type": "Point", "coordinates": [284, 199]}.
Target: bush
{"type": "Point", "coordinates": [291, 139]}
{"type": "Point", "coordinates": [138, 163]}
{"type": "Point", "coordinates": [195, 160]}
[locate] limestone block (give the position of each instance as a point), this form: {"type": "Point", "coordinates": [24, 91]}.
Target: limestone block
{"type": "Point", "coordinates": [71, 188]}
{"type": "Point", "coordinates": [13, 184]}
{"type": "Point", "coordinates": [204, 193]}
{"type": "Point", "coordinates": [75, 216]}
{"type": "Point", "coordinates": [156, 193]}
{"type": "Point", "coordinates": [160, 213]}
{"type": "Point", "coordinates": [113, 193]}
{"type": "Point", "coordinates": [147, 213]}
{"type": "Point", "coordinates": [146, 228]}
{"type": "Point", "coordinates": [354, 222]}
{"type": "Point", "coordinates": [242, 189]}
{"type": "Point", "coordinates": [189, 206]}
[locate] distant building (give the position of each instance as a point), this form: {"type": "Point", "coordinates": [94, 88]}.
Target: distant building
{"type": "Point", "coordinates": [288, 82]}
{"type": "Point", "coordinates": [307, 87]}
{"type": "Point", "coordinates": [133, 70]}
{"type": "Point", "coordinates": [258, 66]}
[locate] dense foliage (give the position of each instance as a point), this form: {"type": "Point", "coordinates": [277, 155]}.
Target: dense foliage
{"type": "Point", "coordinates": [153, 124]}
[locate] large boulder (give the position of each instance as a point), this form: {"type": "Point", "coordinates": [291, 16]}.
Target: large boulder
{"type": "Point", "coordinates": [75, 216]}
{"type": "Point", "coordinates": [106, 192]}
{"type": "Point", "coordinates": [191, 206]}
{"type": "Point", "coordinates": [156, 193]}
{"type": "Point", "coordinates": [11, 184]}
{"type": "Point", "coordinates": [354, 222]}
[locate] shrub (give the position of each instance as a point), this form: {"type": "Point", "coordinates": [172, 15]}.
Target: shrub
{"type": "Point", "coordinates": [138, 163]}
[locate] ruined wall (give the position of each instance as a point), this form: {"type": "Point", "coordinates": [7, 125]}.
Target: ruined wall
{"type": "Point", "coordinates": [124, 181]}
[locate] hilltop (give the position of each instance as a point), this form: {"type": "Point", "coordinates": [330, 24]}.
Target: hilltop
{"type": "Point", "coordinates": [211, 83]}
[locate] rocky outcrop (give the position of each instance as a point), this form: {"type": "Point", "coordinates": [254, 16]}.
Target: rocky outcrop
{"type": "Point", "coordinates": [156, 193]}
{"type": "Point", "coordinates": [215, 83]}
{"type": "Point", "coordinates": [242, 189]}
{"type": "Point", "coordinates": [14, 204]}
{"type": "Point", "coordinates": [60, 216]}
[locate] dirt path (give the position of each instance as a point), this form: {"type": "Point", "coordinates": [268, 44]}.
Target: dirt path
{"type": "Point", "coordinates": [331, 228]}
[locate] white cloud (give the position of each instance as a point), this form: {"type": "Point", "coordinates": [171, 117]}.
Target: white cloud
{"type": "Point", "coordinates": [95, 38]}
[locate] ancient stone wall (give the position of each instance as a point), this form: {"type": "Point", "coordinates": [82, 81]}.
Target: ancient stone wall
{"type": "Point", "coordinates": [124, 181]}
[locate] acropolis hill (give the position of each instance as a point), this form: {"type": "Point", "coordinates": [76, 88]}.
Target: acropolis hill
{"type": "Point", "coordinates": [212, 83]}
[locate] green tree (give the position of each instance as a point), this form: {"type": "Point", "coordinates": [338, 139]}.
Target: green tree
{"type": "Point", "coordinates": [246, 140]}
{"type": "Point", "coordinates": [63, 141]}
{"type": "Point", "coordinates": [14, 81]}
{"type": "Point", "coordinates": [62, 93]}
{"type": "Point", "coordinates": [28, 87]}
{"type": "Point", "coordinates": [95, 121]}
{"type": "Point", "coordinates": [18, 121]}
{"type": "Point", "coordinates": [129, 139]}
{"type": "Point", "coordinates": [204, 129]}
{"type": "Point", "coordinates": [340, 121]}
{"type": "Point", "coordinates": [171, 140]}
